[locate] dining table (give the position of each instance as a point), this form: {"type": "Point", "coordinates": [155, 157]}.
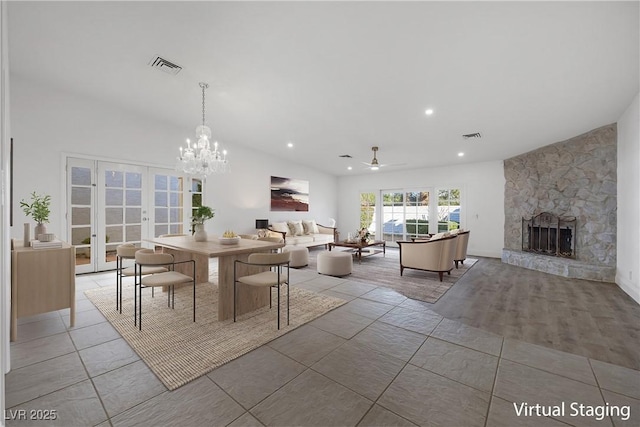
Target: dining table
{"type": "Point", "coordinates": [249, 298]}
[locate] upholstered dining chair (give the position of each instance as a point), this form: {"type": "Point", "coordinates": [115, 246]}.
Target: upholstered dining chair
{"type": "Point", "coordinates": [127, 251]}
{"type": "Point", "coordinates": [169, 278]}
{"type": "Point", "coordinates": [277, 276]}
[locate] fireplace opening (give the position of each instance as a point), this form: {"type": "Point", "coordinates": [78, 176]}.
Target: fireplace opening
{"type": "Point", "coordinates": [549, 234]}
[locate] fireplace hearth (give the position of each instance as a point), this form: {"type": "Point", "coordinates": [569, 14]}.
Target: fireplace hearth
{"type": "Point", "coordinates": [548, 234]}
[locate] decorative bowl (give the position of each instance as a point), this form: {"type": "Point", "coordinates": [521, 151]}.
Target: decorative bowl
{"type": "Point", "coordinates": [229, 240]}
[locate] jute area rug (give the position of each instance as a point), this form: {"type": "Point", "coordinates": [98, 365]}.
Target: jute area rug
{"type": "Point", "coordinates": [178, 350]}
{"type": "Point", "coordinates": [385, 272]}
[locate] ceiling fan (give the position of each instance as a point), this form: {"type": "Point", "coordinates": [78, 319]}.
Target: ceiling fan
{"type": "Point", "coordinates": [375, 165]}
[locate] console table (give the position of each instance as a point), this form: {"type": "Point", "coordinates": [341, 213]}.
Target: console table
{"type": "Point", "coordinates": [42, 280]}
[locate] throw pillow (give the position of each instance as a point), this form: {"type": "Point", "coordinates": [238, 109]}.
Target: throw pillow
{"type": "Point", "coordinates": [281, 227]}
{"type": "Point", "coordinates": [437, 236]}
{"type": "Point", "coordinates": [296, 228]}
{"type": "Point", "coordinates": [310, 227]}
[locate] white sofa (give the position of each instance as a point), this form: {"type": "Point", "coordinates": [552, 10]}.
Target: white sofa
{"type": "Point", "coordinates": [306, 233]}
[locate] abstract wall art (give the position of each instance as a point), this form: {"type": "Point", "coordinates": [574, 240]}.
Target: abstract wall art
{"type": "Point", "coordinates": [289, 194]}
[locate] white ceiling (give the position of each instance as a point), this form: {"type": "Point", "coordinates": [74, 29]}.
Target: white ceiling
{"type": "Point", "coordinates": [339, 77]}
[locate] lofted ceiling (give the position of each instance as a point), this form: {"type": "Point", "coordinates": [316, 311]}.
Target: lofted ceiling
{"type": "Point", "coordinates": [337, 78]}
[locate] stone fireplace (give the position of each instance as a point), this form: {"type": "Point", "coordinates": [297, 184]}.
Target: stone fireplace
{"type": "Point", "coordinates": [561, 200]}
{"type": "Point", "coordinates": [548, 234]}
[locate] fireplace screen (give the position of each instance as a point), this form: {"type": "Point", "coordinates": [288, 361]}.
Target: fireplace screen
{"type": "Point", "coordinates": [549, 234]}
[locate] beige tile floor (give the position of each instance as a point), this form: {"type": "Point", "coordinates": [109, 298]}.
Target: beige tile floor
{"type": "Point", "coordinates": [379, 360]}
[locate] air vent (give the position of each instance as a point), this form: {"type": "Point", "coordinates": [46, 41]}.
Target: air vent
{"type": "Point", "coordinates": [163, 65]}
{"type": "Point", "coordinates": [346, 156]}
{"type": "Point", "coordinates": [472, 135]}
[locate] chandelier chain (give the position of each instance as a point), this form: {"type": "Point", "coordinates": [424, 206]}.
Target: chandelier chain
{"type": "Point", "coordinates": [203, 88]}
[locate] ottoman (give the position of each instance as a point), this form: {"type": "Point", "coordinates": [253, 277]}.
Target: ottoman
{"type": "Point", "coordinates": [335, 263]}
{"type": "Point", "coordinates": [299, 256]}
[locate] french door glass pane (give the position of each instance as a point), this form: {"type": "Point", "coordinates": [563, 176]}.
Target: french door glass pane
{"type": "Point", "coordinates": [123, 209]}
{"type": "Point", "coordinates": [81, 213]}
{"type": "Point", "coordinates": [80, 195]}
{"type": "Point", "coordinates": [168, 204]}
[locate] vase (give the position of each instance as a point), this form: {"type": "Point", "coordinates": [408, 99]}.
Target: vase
{"type": "Point", "coordinates": [26, 238]}
{"type": "Point", "coordinates": [200, 235]}
{"type": "Point", "coordinates": [40, 229]}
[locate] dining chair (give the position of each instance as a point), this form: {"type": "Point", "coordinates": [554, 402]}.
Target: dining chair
{"type": "Point", "coordinates": [127, 251]}
{"type": "Point", "coordinates": [274, 278]}
{"type": "Point", "coordinates": [168, 278]}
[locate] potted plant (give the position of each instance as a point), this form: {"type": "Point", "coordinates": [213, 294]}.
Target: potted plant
{"type": "Point", "coordinates": [39, 210]}
{"type": "Point", "coordinates": [201, 214]}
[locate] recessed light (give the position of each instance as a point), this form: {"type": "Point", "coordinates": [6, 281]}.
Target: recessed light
{"type": "Point", "coordinates": [290, 144]}
{"type": "Point", "coordinates": [460, 154]}
{"type": "Point", "coordinates": [429, 111]}
{"type": "Point", "coordinates": [349, 168]}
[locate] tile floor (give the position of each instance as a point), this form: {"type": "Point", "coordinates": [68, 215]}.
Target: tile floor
{"type": "Point", "coordinates": [379, 360]}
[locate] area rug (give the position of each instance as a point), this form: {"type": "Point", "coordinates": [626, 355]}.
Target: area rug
{"type": "Point", "coordinates": [385, 272]}
{"type": "Point", "coordinates": [178, 350]}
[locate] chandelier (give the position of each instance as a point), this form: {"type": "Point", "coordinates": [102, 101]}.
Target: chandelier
{"type": "Point", "coordinates": [198, 158]}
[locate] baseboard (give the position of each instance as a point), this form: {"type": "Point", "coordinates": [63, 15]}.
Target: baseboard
{"type": "Point", "coordinates": [485, 254]}
{"type": "Point", "coordinates": [629, 288]}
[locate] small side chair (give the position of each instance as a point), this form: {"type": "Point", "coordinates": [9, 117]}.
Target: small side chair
{"type": "Point", "coordinates": [277, 275]}
{"type": "Point", "coordinates": [169, 278]}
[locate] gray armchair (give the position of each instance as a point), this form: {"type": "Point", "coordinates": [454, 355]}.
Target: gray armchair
{"type": "Point", "coordinates": [429, 255]}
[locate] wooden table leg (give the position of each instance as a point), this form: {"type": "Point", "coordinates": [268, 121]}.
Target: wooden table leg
{"type": "Point", "coordinates": [249, 298]}
{"type": "Point", "coordinates": [202, 264]}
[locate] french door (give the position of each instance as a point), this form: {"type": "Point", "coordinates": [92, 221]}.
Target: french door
{"type": "Point", "coordinates": [114, 203]}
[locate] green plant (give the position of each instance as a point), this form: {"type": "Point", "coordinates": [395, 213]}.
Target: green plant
{"type": "Point", "coordinates": [202, 214]}
{"type": "Point", "coordinates": [38, 209]}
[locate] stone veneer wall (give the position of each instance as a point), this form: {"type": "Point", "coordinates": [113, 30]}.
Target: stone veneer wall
{"type": "Point", "coordinates": [577, 178]}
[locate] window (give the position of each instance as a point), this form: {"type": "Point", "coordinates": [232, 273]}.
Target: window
{"type": "Point", "coordinates": [416, 217]}
{"type": "Point", "coordinates": [368, 213]}
{"type": "Point", "coordinates": [196, 196]}
{"type": "Point", "coordinates": [448, 209]}
{"type": "Point", "coordinates": [392, 216]}
{"type": "Point", "coordinates": [406, 212]}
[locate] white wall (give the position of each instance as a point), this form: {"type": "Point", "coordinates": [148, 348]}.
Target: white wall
{"type": "Point", "coordinates": [482, 207]}
{"type": "Point", "coordinates": [47, 123]}
{"type": "Point", "coordinates": [5, 261]}
{"type": "Point", "coordinates": [628, 242]}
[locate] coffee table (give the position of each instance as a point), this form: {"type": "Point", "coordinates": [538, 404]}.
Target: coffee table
{"type": "Point", "coordinates": [358, 245]}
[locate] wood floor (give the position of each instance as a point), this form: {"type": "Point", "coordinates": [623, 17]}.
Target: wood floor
{"type": "Point", "coordinates": [593, 319]}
